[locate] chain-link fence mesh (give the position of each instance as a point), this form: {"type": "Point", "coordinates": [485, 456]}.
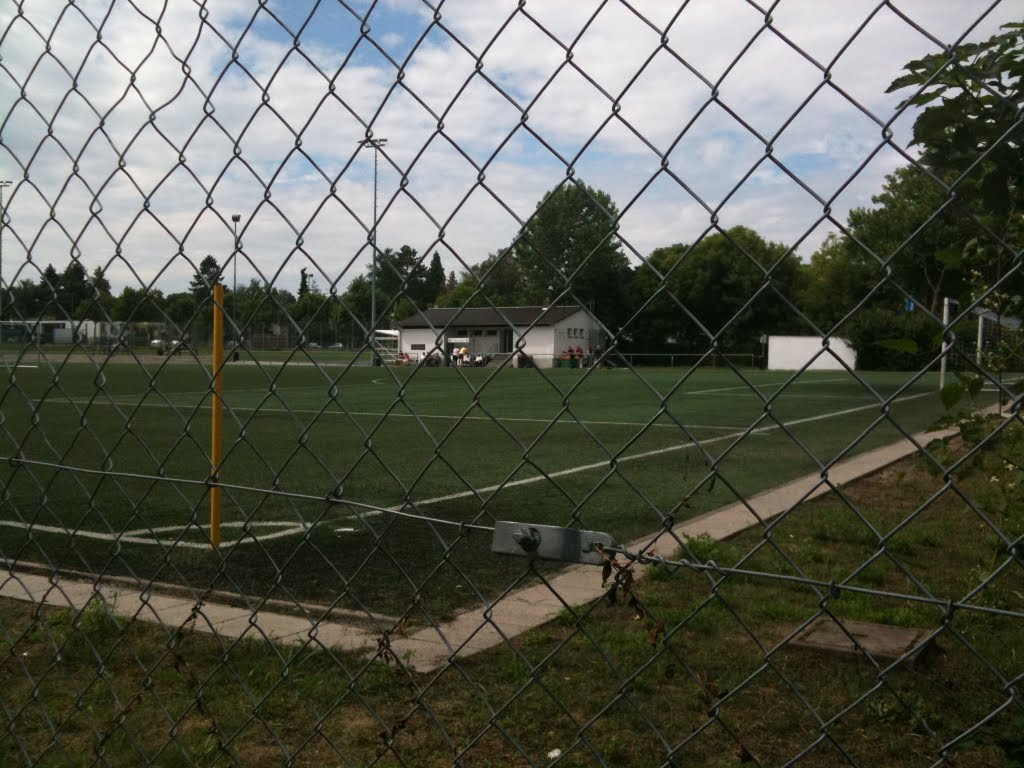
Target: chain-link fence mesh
{"type": "Point", "coordinates": [717, 302]}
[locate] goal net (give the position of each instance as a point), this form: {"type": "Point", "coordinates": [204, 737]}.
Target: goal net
{"type": "Point", "coordinates": [989, 342]}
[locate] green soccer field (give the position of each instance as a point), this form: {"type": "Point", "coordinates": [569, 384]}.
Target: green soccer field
{"type": "Point", "coordinates": [106, 470]}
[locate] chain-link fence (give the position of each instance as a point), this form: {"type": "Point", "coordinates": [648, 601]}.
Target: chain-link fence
{"type": "Point", "coordinates": [535, 383]}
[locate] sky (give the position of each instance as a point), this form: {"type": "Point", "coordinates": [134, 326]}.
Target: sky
{"type": "Point", "coordinates": [133, 130]}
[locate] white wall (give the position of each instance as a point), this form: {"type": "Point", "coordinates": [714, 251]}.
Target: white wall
{"type": "Point", "coordinates": [791, 353]}
{"type": "Point", "coordinates": [577, 330]}
{"type": "Point", "coordinates": [424, 336]}
{"type": "Point", "coordinates": [537, 343]}
{"type": "Point", "coordinates": [543, 343]}
{"type": "Point", "coordinates": [428, 338]}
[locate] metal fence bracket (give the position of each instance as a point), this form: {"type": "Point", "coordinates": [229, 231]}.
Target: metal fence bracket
{"type": "Point", "coordinates": [549, 542]}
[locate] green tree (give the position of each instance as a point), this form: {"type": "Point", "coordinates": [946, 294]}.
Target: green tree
{"type": "Point", "coordinates": [570, 243]}
{"type": "Point", "coordinates": [50, 285]}
{"type": "Point", "coordinates": [338, 320]}
{"type": "Point", "coordinates": [972, 99]}
{"type": "Point", "coordinates": [74, 288]}
{"type": "Point", "coordinates": [96, 307]}
{"type": "Point", "coordinates": [970, 131]}
{"type": "Point", "coordinates": [840, 274]}
{"type": "Point", "coordinates": [914, 234]}
{"type": "Point", "coordinates": [433, 283]}
{"type": "Point", "coordinates": [713, 281]}
{"type": "Point", "coordinates": [207, 276]}
{"type": "Point", "coordinates": [400, 273]}
{"type": "Point", "coordinates": [180, 307]}
{"type": "Point", "coordinates": [51, 278]}
{"type": "Point", "coordinates": [403, 282]}
{"type": "Point", "coordinates": [357, 299]}
{"type": "Point", "coordinates": [28, 300]}
{"type": "Point", "coordinates": [138, 305]}
{"type": "Point", "coordinates": [99, 281]}
{"type": "Point", "coordinates": [891, 339]}
{"type": "Point", "coordinates": [502, 284]}
{"type": "Point", "coordinates": [254, 308]}
{"type": "Point", "coordinates": [925, 239]}
{"type": "Point", "coordinates": [98, 301]}
{"type": "Point", "coordinates": [309, 307]}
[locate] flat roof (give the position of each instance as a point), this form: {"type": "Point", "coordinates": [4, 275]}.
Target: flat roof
{"type": "Point", "coordinates": [484, 317]}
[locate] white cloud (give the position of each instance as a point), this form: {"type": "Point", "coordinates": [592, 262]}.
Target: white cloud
{"type": "Point", "coordinates": [274, 91]}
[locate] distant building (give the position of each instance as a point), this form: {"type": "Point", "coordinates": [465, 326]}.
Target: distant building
{"type": "Point", "coordinates": [60, 331]}
{"type": "Point", "coordinates": [543, 333]}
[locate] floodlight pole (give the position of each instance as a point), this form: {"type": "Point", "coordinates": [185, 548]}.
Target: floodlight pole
{"type": "Point", "coordinates": [3, 211]}
{"type": "Point", "coordinates": [377, 145]}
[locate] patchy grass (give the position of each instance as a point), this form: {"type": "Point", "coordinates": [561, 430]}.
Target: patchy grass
{"type": "Point", "coordinates": [696, 672]}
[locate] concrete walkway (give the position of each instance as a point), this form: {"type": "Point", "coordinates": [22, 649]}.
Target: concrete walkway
{"type": "Point", "coordinates": [467, 633]}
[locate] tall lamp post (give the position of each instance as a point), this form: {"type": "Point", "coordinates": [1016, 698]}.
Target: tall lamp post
{"type": "Point", "coordinates": [3, 185]}
{"type": "Point", "coordinates": [377, 145]}
{"type": "Point", "coordinates": [235, 218]}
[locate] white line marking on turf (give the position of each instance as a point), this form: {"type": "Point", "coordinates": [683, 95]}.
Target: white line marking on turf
{"type": "Point", "coordinates": [378, 414]}
{"type": "Point", "coordinates": [309, 411]}
{"type": "Point", "coordinates": [382, 381]}
{"type": "Point", "coordinates": [648, 454]}
{"type": "Point", "coordinates": [229, 524]}
{"type": "Point", "coordinates": [757, 386]}
{"type": "Point", "coordinates": [95, 534]}
{"type": "Point", "coordinates": [138, 536]}
{"type": "Point", "coordinates": [296, 528]}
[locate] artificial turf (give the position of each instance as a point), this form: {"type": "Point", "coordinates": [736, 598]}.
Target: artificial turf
{"type": "Point", "coordinates": [107, 465]}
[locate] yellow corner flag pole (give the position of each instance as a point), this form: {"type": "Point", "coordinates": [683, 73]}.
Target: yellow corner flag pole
{"type": "Point", "coordinates": [217, 422]}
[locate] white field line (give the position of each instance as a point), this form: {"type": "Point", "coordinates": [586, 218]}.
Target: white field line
{"type": "Point", "coordinates": [138, 536]}
{"type": "Point", "coordinates": [349, 385]}
{"type": "Point", "coordinates": [648, 454]}
{"type": "Point", "coordinates": [775, 384]}
{"type": "Point", "coordinates": [378, 414]}
{"type": "Point", "coordinates": [143, 535]}
{"type": "Point", "coordinates": [132, 538]}
{"type": "Point", "coordinates": [308, 411]}
{"type": "Point", "coordinates": [230, 524]}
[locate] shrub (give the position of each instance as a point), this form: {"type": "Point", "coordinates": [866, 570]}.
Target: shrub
{"type": "Point", "coordinates": [887, 340]}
